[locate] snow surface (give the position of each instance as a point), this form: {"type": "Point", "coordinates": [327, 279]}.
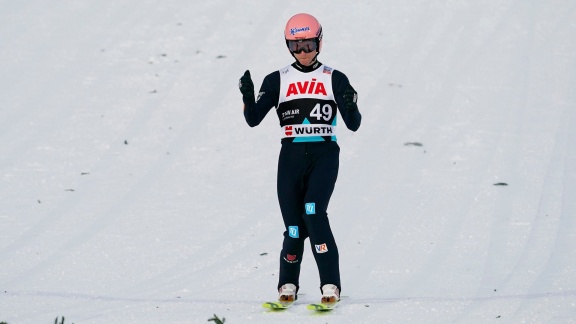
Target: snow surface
{"type": "Point", "coordinates": [132, 190]}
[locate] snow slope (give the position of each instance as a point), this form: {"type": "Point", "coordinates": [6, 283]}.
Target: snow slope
{"type": "Point", "coordinates": [132, 191]}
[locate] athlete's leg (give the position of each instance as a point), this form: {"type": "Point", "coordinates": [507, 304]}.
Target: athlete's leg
{"type": "Point", "coordinates": [321, 182]}
{"type": "Point", "coordinates": [291, 189]}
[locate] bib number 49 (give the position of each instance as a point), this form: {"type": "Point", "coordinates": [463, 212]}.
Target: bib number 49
{"type": "Point", "coordinates": [322, 112]}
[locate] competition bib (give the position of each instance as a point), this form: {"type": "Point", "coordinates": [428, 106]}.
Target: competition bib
{"type": "Point", "coordinates": [306, 107]}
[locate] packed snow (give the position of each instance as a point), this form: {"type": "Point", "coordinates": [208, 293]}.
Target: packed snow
{"type": "Point", "coordinates": [132, 190]}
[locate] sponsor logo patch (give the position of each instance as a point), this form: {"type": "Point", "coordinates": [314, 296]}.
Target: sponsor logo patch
{"type": "Point", "coordinates": [291, 258]}
{"type": "Point", "coordinates": [309, 130]}
{"type": "Point", "coordinates": [310, 208]}
{"type": "Point", "coordinates": [260, 94]}
{"type": "Point", "coordinates": [296, 30]}
{"type": "Point", "coordinates": [321, 248]}
{"type": "Point", "coordinates": [306, 87]}
{"type": "Point", "coordinates": [290, 113]}
{"type": "Point", "coordinates": [293, 231]}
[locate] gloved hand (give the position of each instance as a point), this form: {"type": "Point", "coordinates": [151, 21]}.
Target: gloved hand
{"type": "Point", "coordinates": [246, 86]}
{"type": "Point", "coordinates": [350, 98]}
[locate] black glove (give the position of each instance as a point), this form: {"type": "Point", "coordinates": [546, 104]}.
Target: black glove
{"type": "Point", "coordinates": [247, 86]}
{"type": "Point", "coordinates": [350, 98]}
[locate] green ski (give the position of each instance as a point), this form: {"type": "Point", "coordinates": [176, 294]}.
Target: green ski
{"type": "Point", "coordinates": [321, 307]}
{"type": "Point", "coordinates": [277, 305]}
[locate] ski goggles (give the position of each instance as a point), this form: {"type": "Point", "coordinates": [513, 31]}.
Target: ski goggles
{"type": "Point", "coordinates": [303, 45]}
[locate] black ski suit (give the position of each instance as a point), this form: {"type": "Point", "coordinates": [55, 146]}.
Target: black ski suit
{"type": "Point", "coordinates": [306, 101]}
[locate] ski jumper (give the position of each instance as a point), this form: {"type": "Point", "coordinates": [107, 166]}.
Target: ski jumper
{"type": "Point", "coordinates": [307, 99]}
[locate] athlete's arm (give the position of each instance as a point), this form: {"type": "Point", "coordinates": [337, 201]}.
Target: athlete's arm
{"type": "Point", "coordinates": [352, 118]}
{"type": "Point", "coordinates": [254, 112]}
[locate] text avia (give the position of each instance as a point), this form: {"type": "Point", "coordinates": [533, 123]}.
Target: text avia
{"type": "Point", "coordinates": [306, 87]}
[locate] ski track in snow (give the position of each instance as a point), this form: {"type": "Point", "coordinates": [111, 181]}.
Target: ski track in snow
{"type": "Point", "coordinates": [134, 192]}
